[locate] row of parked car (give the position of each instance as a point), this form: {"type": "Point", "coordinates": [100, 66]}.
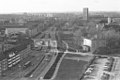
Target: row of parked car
{"type": "Point", "coordinates": [99, 69]}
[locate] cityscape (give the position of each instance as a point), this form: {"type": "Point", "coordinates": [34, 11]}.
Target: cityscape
{"type": "Point", "coordinates": [60, 46]}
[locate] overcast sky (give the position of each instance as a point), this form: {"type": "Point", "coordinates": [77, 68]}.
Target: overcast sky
{"type": "Point", "coordinates": [15, 6]}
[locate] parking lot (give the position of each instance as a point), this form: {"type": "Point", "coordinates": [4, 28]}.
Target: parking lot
{"type": "Point", "coordinates": [99, 69]}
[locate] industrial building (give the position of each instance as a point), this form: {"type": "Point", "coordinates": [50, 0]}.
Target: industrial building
{"type": "Point", "coordinates": [31, 28]}
{"type": "Point", "coordinates": [15, 29]}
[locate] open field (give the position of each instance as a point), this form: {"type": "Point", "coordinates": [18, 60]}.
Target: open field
{"type": "Point", "coordinates": [71, 69]}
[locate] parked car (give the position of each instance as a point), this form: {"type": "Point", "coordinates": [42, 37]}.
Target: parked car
{"type": "Point", "coordinates": [110, 59]}
{"type": "Point", "coordinates": [89, 70]}
{"type": "Point", "coordinates": [86, 77]}
{"type": "Point", "coordinates": [105, 76]}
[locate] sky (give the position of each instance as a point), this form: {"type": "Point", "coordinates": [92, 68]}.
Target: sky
{"type": "Point", "coordinates": [16, 6]}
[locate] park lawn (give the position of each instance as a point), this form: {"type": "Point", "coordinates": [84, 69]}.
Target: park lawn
{"type": "Point", "coordinates": [71, 69]}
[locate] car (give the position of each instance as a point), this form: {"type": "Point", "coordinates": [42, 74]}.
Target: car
{"type": "Point", "coordinates": [105, 76]}
{"type": "Point", "coordinates": [102, 57]}
{"type": "Point", "coordinates": [87, 73]}
{"type": "Point", "coordinates": [92, 66]}
{"type": "Point", "coordinates": [88, 77]}
{"type": "Point", "coordinates": [89, 70]}
{"type": "Point", "coordinates": [107, 61]}
{"type": "Point", "coordinates": [110, 58]}
{"type": "Point", "coordinates": [106, 67]}
{"type": "Point", "coordinates": [95, 62]}
{"type": "Point", "coordinates": [107, 64]}
{"type": "Point", "coordinates": [31, 76]}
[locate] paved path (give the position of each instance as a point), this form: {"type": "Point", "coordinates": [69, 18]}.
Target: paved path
{"type": "Point", "coordinates": [47, 67]}
{"type": "Point", "coordinates": [77, 58]}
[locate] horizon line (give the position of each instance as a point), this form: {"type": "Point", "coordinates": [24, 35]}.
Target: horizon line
{"type": "Point", "coordinates": [55, 12]}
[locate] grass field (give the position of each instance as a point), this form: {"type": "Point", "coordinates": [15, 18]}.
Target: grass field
{"type": "Point", "coordinates": [71, 69]}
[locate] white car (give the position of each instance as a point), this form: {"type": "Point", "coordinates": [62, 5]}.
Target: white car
{"type": "Point", "coordinates": [89, 70]}
{"type": "Point", "coordinates": [86, 77]}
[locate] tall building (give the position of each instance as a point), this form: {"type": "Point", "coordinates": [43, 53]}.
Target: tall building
{"type": "Point", "coordinates": [85, 13]}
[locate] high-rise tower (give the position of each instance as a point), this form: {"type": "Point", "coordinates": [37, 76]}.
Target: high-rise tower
{"type": "Point", "coordinates": [85, 14]}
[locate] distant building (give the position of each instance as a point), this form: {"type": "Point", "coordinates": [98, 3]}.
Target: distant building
{"type": "Point", "coordinates": [85, 13]}
{"type": "Point", "coordinates": [11, 29]}
{"type": "Point", "coordinates": [109, 20]}
{"type": "Point", "coordinates": [44, 44]}
{"type": "Point", "coordinates": [87, 44]}
{"type": "Point", "coordinates": [116, 20]}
